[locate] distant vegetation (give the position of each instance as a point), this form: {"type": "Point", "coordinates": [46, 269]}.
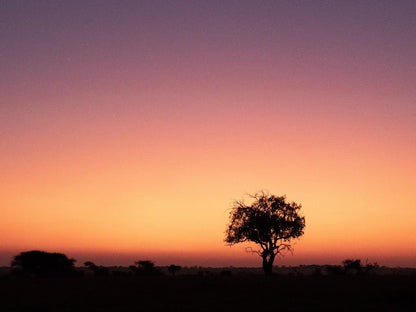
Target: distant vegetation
{"type": "Point", "coordinates": [356, 267]}
{"type": "Point", "coordinates": [44, 264]}
{"type": "Point", "coordinates": [144, 267]}
{"type": "Point", "coordinates": [353, 286]}
{"type": "Point", "coordinates": [98, 270]}
{"type": "Point", "coordinates": [41, 263]}
{"type": "Point", "coordinates": [174, 268]}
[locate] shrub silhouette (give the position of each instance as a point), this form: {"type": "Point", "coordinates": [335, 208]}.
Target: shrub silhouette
{"type": "Point", "coordinates": [89, 265]}
{"type": "Point", "coordinates": [41, 263]}
{"type": "Point", "coordinates": [352, 265]}
{"type": "Point", "coordinates": [98, 270]}
{"type": "Point", "coordinates": [269, 221]}
{"type": "Point", "coordinates": [370, 267]}
{"type": "Point", "coordinates": [174, 268]}
{"type": "Point", "coordinates": [355, 267]}
{"type": "Point", "coordinates": [144, 267]}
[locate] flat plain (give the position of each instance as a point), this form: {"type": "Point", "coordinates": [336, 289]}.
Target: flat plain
{"type": "Point", "coordinates": [237, 292]}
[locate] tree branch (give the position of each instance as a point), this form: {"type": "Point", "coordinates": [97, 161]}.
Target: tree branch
{"type": "Point", "coordinates": [249, 249]}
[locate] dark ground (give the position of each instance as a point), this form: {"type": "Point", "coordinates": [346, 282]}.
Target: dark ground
{"type": "Point", "coordinates": [209, 293]}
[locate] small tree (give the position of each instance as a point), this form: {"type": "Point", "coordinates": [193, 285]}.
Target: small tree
{"type": "Point", "coordinates": [98, 270]}
{"type": "Point", "coordinates": [269, 221]}
{"type": "Point", "coordinates": [356, 267]}
{"type": "Point", "coordinates": [144, 267]}
{"type": "Point", "coordinates": [174, 268]}
{"type": "Point", "coordinates": [352, 266]}
{"type": "Point", "coordinates": [90, 265]}
{"type": "Point", "coordinates": [371, 267]}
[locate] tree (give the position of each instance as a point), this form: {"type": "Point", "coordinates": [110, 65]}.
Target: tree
{"type": "Point", "coordinates": [356, 267]}
{"type": "Point", "coordinates": [98, 270]}
{"type": "Point", "coordinates": [41, 263]}
{"type": "Point", "coordinates": [352, 266]}
{"type": "Point", "coordinates": [144, 267]}
{"type": "Point", "coordinates": [269, 221]}
{"type": "Point", "coordinates": [89, 264]}
{"type": "Point", "coordinates": [174, 268]}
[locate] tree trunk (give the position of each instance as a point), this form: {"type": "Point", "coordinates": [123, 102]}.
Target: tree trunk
{"type": "Point", "coordinates": [268, 265]}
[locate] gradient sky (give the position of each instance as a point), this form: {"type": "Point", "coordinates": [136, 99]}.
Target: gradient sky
{"type": "Point", "coordinates": [127, 128]}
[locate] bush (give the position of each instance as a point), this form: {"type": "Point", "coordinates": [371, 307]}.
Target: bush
{"type": "Point", "coordinates": [145, 267]}
{"type": "Point", "coordinates": [41, 263]}
{"type": "Point", "coordinates": [98, 270]}
{"type": "Point", "coordinates": [174, 268]}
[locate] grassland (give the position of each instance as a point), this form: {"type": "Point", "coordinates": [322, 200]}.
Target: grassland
{"type": "Point", "coordinates": [212, 292]}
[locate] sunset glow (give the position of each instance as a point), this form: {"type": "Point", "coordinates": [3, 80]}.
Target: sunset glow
{"type": "Point", "coordinates": [127, 129]}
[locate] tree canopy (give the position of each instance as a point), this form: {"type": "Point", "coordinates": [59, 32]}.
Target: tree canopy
{"type": "Point", "coordinates": [144, 267]}
{"type": "Point", "coordinates": [42, 263]}
{"type": "Point", "coordinates": [269, 221]}
{"type": "Point", "coordinates": [174, 268]}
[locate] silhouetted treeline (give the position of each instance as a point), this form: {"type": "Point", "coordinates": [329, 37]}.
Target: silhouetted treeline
{"type": "Point", "coordinates": [40, 263]}
{"type": "Point", "coordinates": [211, 290]}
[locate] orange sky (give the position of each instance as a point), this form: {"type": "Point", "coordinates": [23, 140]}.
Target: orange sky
{"type": "Point", "coordinates": [125, 151]}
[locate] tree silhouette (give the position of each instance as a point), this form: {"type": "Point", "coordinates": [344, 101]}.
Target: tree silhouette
{"type": "Point", "coordinates": [352, 266]}
{"type": "Point", "coordinates": [269, 221]}
{"type": "Point", "coordinates": [89, 264]}
{"type": "Point", "coordinates": [174, 268]}
{"type": "Point", "coordinates": [356, 267]}
{"type": "Point", "coordinates": [144, 267]}
{"type": "Point", "coordinates": [41, 263]}
{"type": "Point", "coordinates": [98, 270]}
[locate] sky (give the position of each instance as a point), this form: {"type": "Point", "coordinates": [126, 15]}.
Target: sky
{"type": "Point", "coordinates": [128, 128]}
